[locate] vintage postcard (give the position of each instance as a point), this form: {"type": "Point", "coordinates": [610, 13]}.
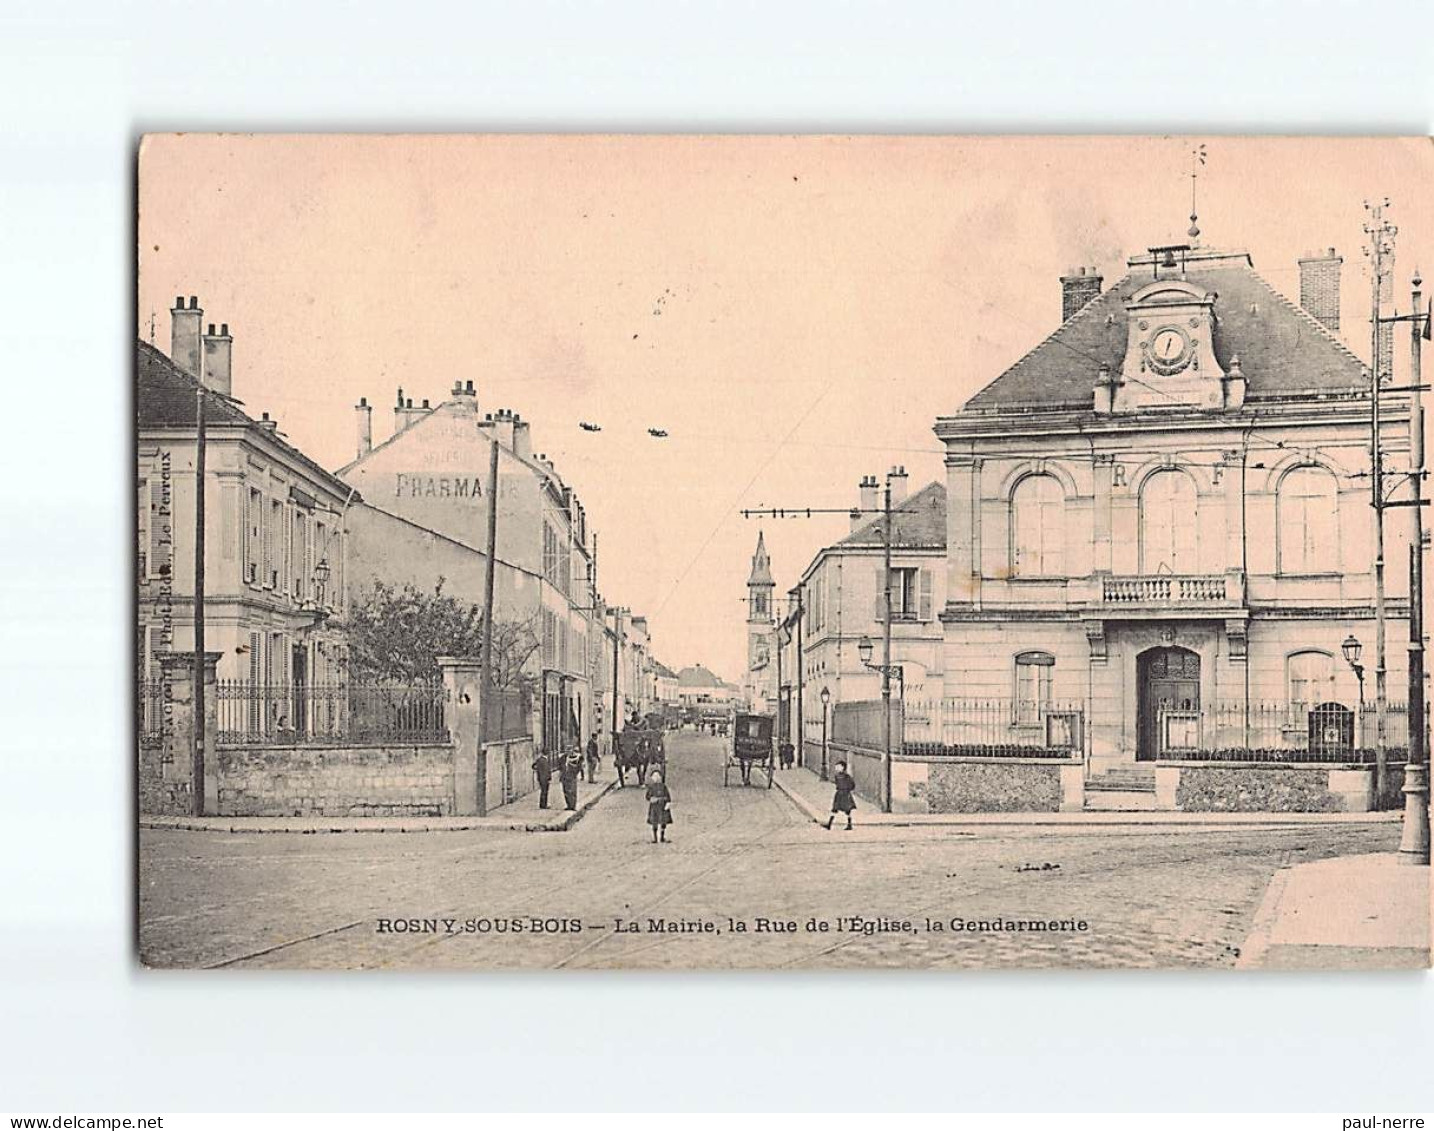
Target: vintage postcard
{"type": "Point", "coordinates": [680, 552]}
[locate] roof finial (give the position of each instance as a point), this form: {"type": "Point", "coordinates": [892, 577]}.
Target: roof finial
{"type": "Point", "coordinates": [1197, 159]}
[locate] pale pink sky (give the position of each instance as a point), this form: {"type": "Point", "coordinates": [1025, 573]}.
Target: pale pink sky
{"type": "Point", "coordinates": [795, 312]}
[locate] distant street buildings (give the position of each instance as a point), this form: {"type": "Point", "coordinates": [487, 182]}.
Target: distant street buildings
{"type": "Point", "coordinates": [291, 548]}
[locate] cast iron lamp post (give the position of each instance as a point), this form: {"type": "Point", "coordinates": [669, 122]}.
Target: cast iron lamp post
{"type": "Point", "coordinates": [865, 649]}
{"type": "Point", "coordinates": [1352, 648]}
{"type": "Point", "coordinates": [826, 698]}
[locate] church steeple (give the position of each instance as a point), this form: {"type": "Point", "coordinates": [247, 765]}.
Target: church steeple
{"type": "Point", "coordinates": [760, 585]}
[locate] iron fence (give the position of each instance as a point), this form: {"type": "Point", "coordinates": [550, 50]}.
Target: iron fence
{"type": "Point", "coordinates": [280, 714]}
{"type": "Point", "coordinates": [994, 728]}
{"type": "Point", "coordinates": [1278, 732]}
{"type": "Point", "coordinates": [858, 723]}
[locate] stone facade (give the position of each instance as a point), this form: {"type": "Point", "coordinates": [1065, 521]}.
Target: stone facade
{"type": "Point", "coordinates": [1170, 486]}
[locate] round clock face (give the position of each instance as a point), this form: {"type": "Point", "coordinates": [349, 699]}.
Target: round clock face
{"type": "Point", "coordinates": [1169, 349]}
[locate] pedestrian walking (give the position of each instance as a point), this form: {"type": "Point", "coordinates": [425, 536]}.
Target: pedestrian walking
{"type": "Point", "coordinates": [543, 771]}
{"type": "Point", "coordinates": [659, 806]}
{"type": "Point", "coordinates": [568, 773]}
{"type": "Point", "coordinates": [844, 800]}
{"type": "Point", "coordinates": [593, 758]}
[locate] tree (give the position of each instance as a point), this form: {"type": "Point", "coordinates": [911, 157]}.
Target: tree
{"type": "Point", "coordinates": [396, 634]}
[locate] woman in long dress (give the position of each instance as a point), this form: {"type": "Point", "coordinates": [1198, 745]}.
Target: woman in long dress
{"type": "Point", "coordinates": [659, 806]}
{"type": "Point", "coordinates": [844, 800]}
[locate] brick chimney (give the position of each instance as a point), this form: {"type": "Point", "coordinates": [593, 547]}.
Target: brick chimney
{"type": "Point", "coordinates": [1078, 286]}
{"type": "Point", "coordinates": [218, 360]}
{"type": "Point", "coordinates": [868, 499]}
{"type": "Point", "coordinates": [186, 322]}
{"type": "Point", "coordinates": [1319, 287]}
{"type": "Point", "coordinates": [405, 414]}
{"type": "Point", "coordinates": [522, 438]}
{"type": "Point", "coordinates": [897, 476]}
{"type": "Point", "coordinates": [363, 411]}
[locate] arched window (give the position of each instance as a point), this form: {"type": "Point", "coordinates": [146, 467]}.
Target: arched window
{"type": "Point", "coordinates": [1308, 519]}
{"type": "Point", "coordinates": [1038, 527]}
{"type": "Point", "coordinates": [1167, 523]}
{"type": "Point", "coordinates": [1311, 681]}
{"type": "Point", "coordinates": [1033, 686]}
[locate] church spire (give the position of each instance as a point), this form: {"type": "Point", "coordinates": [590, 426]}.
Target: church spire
{"type": "Point", "coordinates": [761, 565]}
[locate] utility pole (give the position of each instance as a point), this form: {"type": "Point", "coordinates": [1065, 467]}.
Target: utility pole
{"type": "Point", "coordinates": [801, 697]}
{"type": "Point", "coordinates": [487, 684]}
{"type": "Point", "coordinates": [1381, 247]}
{"type": "Point", "coordinates": [886, 648]}
{"type": "Point", "coordinates": [885, 511]}
{"type": "Point", "coordinates": [616, 660]}
{"type": "Point", "coordinates": [199, 728]}
{"type": "Point", "coordinates": [1414, 843]}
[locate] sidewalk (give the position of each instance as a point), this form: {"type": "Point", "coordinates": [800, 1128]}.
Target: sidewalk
{"type": "Point", "coordinates": [814, 798]}
{"type": "Point", "coordinates": [1352, 912]}
{"type": "Point", "coordinates": [522, 815]}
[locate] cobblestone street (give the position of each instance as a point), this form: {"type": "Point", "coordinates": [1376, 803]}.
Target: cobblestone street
{"type": "Point", "coordinates": [1151, 896]}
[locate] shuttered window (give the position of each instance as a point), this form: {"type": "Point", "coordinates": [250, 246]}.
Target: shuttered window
{"type": "Point", "coordinates": [253, 536]}
{"type": "Point", "coordinates": [160, 554]}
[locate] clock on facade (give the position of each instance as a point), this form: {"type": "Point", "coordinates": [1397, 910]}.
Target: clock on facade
{"type": "Point", "coordinates": [1169, 350]}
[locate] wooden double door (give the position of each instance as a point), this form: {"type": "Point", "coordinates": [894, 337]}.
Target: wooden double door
{"type": "Point", "coordinates": [1168, 678]}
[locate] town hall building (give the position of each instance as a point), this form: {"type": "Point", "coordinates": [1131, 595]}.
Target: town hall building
{"type": "Point", "coordinates": [1162, 513]}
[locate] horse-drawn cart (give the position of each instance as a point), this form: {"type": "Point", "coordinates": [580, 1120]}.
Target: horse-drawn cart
{"type": "Point", "coordinates": [639, 749]}
{"type": "Point", "coordinates": [751, 747]}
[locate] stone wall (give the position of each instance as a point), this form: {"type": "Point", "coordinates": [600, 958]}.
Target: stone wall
{"type": "Point", "coordinates": [162, 788]}
{"type": "Point", "coordinates": [348, 781]}
{"type": "Point", "coordinates": [1282, 788]}
{"type": "Point", "coordinates": [998, 785]}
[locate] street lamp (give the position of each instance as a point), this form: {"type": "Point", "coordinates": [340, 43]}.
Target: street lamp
{"type": "Point", "coordinates": [864, 650]}
{"type": "Point", "coordinates": [1352, 649]}
{"type": "Point", "coordinates": [826, 698]}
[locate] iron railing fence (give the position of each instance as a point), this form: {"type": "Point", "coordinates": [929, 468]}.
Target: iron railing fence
{"type": "Point", "coordinates": [858, 723]}
{"type": "Point", "coordinates": [282, 714]}
{"type": "Point", "coordinates": [1278, 732]}
{"type": "Point", "coordinates": [994, 728]}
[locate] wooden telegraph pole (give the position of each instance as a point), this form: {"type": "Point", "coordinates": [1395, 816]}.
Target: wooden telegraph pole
{"type": "Point", "coordinates": [486, 683]}
{"type": "Point", "coordinates": [197, 752]}
{"type": "Point", "coordinates": [1381, 246]}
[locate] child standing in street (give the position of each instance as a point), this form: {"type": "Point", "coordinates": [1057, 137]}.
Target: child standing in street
{"type": "Point", "coordinates": [659, 806]}
{"type": "Point", "coordinates": [844, 800]}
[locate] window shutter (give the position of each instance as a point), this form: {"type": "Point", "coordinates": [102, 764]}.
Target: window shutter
{"type": "Point", "coordinates": [156, 528]}
{"type": "Point", "coordinates": [925, 594]}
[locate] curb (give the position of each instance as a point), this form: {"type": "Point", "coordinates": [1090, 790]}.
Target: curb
{"type": "Point", "coordinates": [1095, 819]}
{"type": "Point", "coordinates": [556, 824]}
{"type": "Point", "coordinates": [1257, 942]}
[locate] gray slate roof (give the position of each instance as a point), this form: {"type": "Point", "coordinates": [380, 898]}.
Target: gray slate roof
{"type": "Point", "coordinates": [1282, 349]}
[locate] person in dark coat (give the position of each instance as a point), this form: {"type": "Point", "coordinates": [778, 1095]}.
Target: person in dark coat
{"type": "Point", "coordinates": [568, 773]}
{"type": "Point", "coordinates": [593, 758]}
{"type": "Point", "coordinates": [659, 806]}
{"type": "Point", "coordinates": [844, 800]}
{"type": "Point", "coordinates": [543, 770]}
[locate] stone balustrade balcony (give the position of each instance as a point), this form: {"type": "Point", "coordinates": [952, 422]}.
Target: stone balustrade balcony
{"type": "Point", "coordinates": [1172, 591]}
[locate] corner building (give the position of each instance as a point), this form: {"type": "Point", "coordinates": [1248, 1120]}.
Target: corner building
{"type": "Point", "coordinates": [1162, 512]}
